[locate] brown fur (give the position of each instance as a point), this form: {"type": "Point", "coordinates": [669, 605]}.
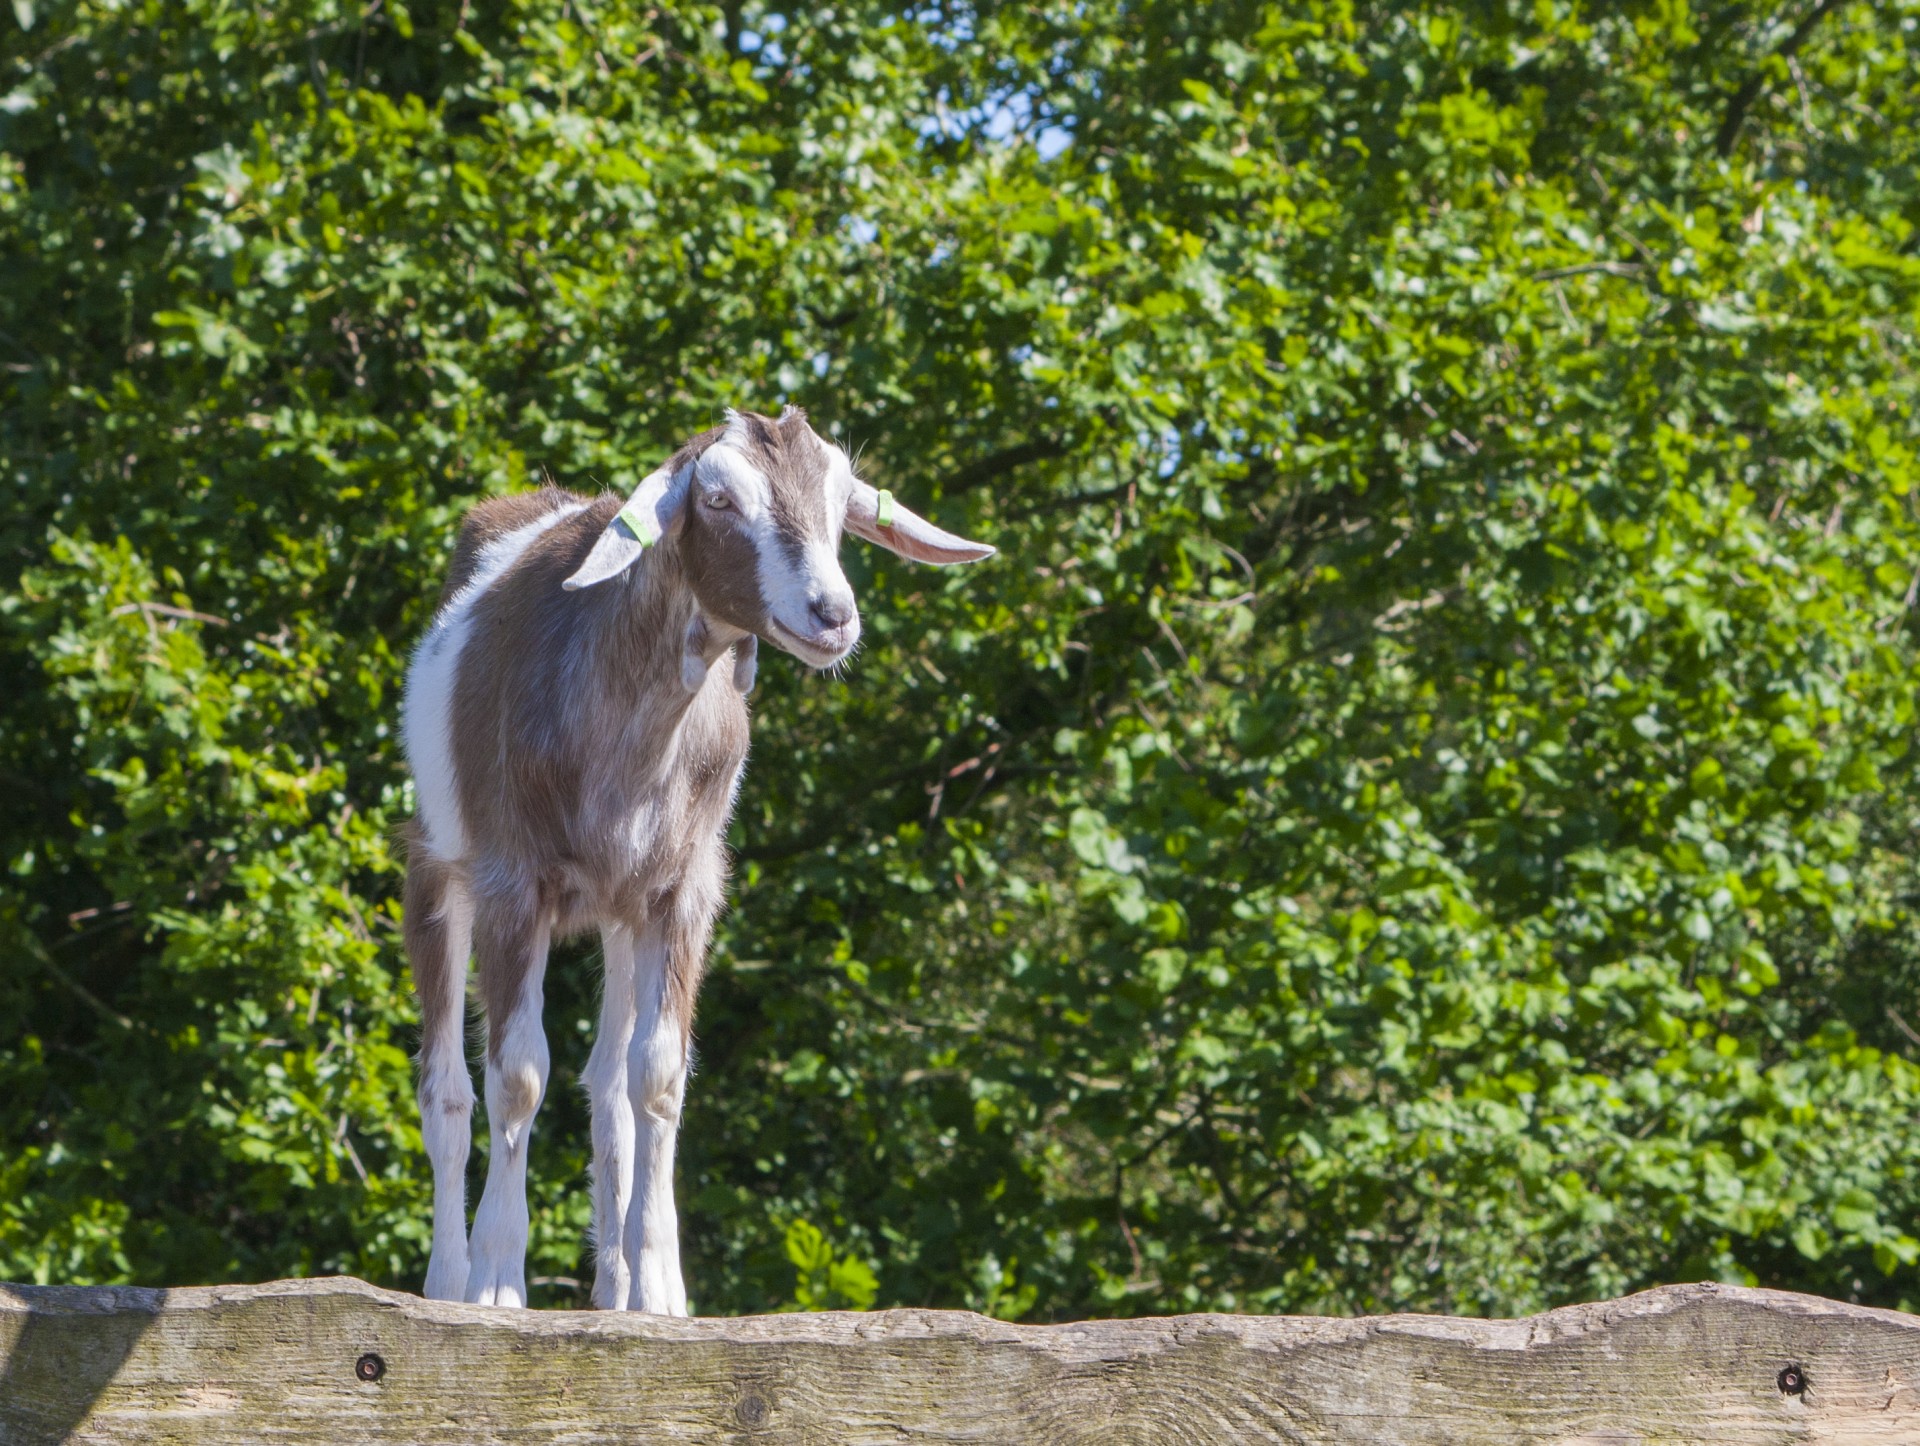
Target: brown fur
{"type": "Point", "coordinates": [548, 797]}
{"type": "Point", "coordinates": [566, 731]}
{"type": "Point", "coordinates": [491, 520]}
{"type": "Point", "coordinates": [721, 566]}
{"type": "Point", "coordinates": [424, 928]}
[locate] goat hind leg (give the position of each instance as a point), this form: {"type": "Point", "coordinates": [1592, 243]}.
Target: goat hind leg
{"type": "Point", "coordinates": [512, 948]}
{"type": "Point", "coordinates": [439, 936]}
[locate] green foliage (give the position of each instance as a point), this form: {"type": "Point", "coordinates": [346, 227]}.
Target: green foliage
{"type": "Point", "coordinates": [1420, 815]}
{"type": "Point", "coordinates": [824, 1282]}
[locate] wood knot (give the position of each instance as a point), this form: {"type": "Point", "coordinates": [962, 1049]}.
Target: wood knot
{"type": "Point", "coordinates": [753, 1410]}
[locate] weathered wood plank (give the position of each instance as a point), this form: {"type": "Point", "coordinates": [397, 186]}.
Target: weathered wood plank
{"type": "Point", "coordinates": [277, 1363]}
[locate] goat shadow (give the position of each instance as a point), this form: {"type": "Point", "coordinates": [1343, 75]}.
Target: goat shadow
{"type": "Point", "coordinates": [59, 1355]}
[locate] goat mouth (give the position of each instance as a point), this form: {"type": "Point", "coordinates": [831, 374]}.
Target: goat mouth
{"type": "Point", "coordinates": [817, 653]}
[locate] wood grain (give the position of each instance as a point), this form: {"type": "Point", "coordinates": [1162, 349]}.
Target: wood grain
{"type": "Point", "coordinates": [285, 1363]}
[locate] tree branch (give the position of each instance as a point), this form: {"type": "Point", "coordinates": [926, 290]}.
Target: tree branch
{"type": "Point", "coordinates": [995, 466]}
{"type": "Point", "coordinates": [1068, 502]}
{"type": "Point", "coordinates": [80, 991]}
{"type": "Point", "coordinates": [1744, 98]}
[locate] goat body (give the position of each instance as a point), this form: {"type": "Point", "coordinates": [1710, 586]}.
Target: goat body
{"type": "Point", "coordinates": [576, 753]}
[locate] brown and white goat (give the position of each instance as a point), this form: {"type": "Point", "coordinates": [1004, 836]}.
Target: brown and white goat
{"type": "Point", "coordinates": [576, 753]}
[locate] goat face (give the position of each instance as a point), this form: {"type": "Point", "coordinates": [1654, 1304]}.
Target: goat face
{"type": "Point", "coordinates": [761, 536]}
{"type": "Point", "coordinates": [757, 508]}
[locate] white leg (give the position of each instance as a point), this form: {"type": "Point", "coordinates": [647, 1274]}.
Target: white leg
{"type": "Point", "coordinates": [657, 1077]}
{"type": "Point", "coordinates": [613, 1132]}
{"type": "Point", "coordinates": [446, 1103]}
{"type": "Point", "coordinates": [516, 1083]}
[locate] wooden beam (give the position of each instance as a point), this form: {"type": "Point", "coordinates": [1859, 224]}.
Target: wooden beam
{"type": "Point", "coordinates": [337, 1360]}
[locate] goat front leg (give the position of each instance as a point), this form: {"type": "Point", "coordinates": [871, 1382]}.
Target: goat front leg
{"type": "Point", "coordinates": [512, 947]}
{"type": "Point", "coordinates": [657, 1078]}
{"type": "Point", "coordinates": [611, 1102]}
{"type": "Point", "coordinates": [439, 934]}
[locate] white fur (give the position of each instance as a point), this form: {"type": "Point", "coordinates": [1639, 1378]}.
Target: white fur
{"type": "Point", "coordinates": [723, 466]}
{"type": "Point", "coordinates": [839, 476]}
{"type": "Point", "coordinates": [516, 1083]}
{"type": "Point", "coordinates": [426, 724]}
{"type": "Point", "coordinates": [656, 1082]}
{"type": "Point", "coordinates": [789, 589]}
{"type": "Point", "coordinates": [613, 1134]}
{"type": "Point", "coordinates": [446, 1109]}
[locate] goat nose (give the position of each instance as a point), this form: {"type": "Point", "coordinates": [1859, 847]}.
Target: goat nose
{"type": "Point", "coordinates": [831, 613]}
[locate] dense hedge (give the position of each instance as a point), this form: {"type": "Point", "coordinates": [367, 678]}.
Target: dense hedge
{"type": "Point", "coordinates": [1420, 814]}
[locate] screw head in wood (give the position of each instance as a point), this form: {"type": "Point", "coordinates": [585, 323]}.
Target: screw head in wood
{"type": "Point", "coordinates": [1793, 1381]}
{"type": "Point", "coordinates": [369, 1367]}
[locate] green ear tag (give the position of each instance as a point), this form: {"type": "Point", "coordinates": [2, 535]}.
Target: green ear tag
{"type": "Point", "coordinates": [886, 508]}
{"type": "Point", "coordinates": [640, 523]}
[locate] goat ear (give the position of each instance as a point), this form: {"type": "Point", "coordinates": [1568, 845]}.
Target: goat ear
{"type": "Point", "coordinates": [875, 516]}
{"type": "Point", "coordinates": [654, 511]}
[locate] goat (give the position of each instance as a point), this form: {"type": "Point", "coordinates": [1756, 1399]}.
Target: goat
{"type": "Point", "coordinates": [576, 754]}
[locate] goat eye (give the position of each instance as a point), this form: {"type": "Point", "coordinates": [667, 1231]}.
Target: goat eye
{"type": "Point", "coordinates": [718, 501]}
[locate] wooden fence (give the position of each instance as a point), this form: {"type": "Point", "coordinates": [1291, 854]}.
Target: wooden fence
{"type": "Point", "coordinates": [338, 1360]}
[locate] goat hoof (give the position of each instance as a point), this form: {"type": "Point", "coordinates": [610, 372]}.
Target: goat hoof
{"type": "Point", "coordinates": [446, 1282]}
{"type": "Point", "coordinates": [499, 1290]}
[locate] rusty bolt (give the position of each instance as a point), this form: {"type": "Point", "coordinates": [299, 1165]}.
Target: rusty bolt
{"type": "Point", "coordinates": [751, 1410]}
